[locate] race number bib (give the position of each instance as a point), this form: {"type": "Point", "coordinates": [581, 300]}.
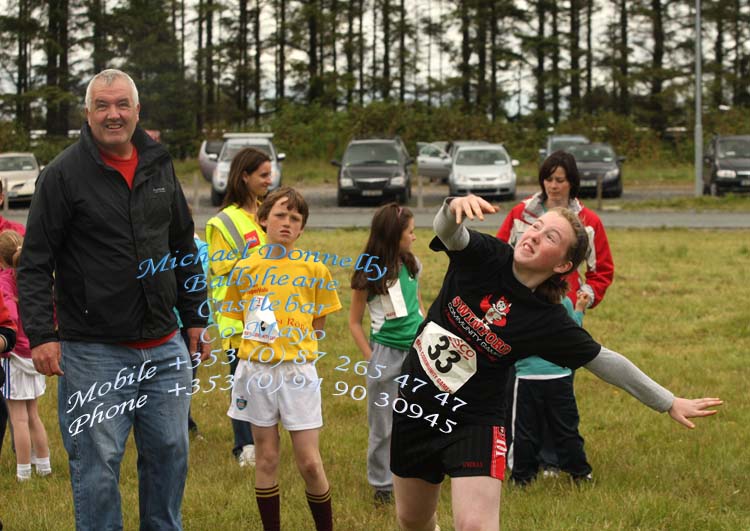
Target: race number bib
{"type": "Point", "coordinates": [260, 325]}
{"type": "Point", "coordinates": [394, 305]}
{"type": "Point", "coordinates": [446, 358]}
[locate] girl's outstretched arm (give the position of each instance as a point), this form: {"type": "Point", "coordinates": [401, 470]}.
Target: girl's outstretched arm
{"type": "Point", "coordinates": [356, 314]}
{"type": "Point", "coordinates": [617, 370]}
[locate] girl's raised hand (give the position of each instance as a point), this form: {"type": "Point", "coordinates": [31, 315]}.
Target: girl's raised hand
{"type": "Point", "coordinates": [470, 206]}
{"type": "Point", "coordinates": [683, 408]}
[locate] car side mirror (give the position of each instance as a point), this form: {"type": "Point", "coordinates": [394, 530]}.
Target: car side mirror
{"type": "Point", "coordinates": [41, 167]}
{"type": "Point", "coordinates": [280, 156]}
{"type": "Point", "coordinates": [621, 159]}
{"type": "Point", "coordinates": [409, 161]}
{"type": "Point", "coordinates": [444, 156]}
{"type": "Point", "coordinates": [213, 156]}
{"type": "Point", "coordinates": [514, 163]}
{"type": "Point", "coordinates": [336, 163]}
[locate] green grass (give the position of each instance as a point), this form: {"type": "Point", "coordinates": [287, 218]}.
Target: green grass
{"type": "Point", "coordinates": [677, 308]}
{"type": "Point", "coordinates": [311, 171]}
{"type": "Point", "coordinates": [646, 173]}
{"type": "Point", "coordinates": [728, 203]}
{"type": "Point", "coordinates": [635, 173]}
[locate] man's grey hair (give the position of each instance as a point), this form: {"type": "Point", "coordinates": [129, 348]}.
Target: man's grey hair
{"type": "Point", "coordinates": [108, 77]}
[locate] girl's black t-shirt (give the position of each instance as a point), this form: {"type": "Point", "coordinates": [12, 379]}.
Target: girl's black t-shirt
{"type": "Point", "coordinates": [482, 322]}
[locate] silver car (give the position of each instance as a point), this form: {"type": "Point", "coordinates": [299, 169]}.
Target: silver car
{"type": "Point", "coordinates": [483, 169]}
{"type": "Point", "coordinates": [208, 156]}
{"type": "Point", "coordinates": [18, 172]}
{"type": "Point", "coordinates": [233, 144]}
{"type": "Point", "coordinates": [433, 163]}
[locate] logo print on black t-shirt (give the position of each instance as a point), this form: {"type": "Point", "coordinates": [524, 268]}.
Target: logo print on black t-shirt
{"type": "Point", "coordinates": [495, 314]}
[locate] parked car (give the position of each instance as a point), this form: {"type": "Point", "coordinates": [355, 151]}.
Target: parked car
{"type": "Point", "coordinates": [208, 157]}
{"type": "Point", "coordinates": [433, 162]}
{"type": "Point", "coordinates": [483, 169]}
{"type": "Point", "coordinates": [727, 165]}
{"type": "Point", "coordinates": [374, 168]}
{"type": "Point", "coordinates": [596, 161]}
{"type": "Point", "coordinates": [18, 172]}
{"type": "Point", "coordinates": [453, 146]}
{"type": "Point", "coordinates": [560, 142]}
{"type": "Point", "coordinates": [233, 144]}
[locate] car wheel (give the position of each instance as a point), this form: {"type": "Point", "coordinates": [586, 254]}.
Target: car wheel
{"type": "Point", "coordinates": [403, 197]}
{"type": "Point", "coordinates": [216, 197]}
{"type": "Point", "coordinates": [340, 199]}
{"type": "Point", "coordinates": [715, 191]}
{"type": "Point", "coordinates": [706, 189]}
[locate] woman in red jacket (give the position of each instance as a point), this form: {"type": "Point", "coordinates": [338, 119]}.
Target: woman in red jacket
{"type": "Point", "coordinates": [559, 182]}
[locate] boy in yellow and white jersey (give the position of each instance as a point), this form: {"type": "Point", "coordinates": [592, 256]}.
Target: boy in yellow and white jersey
{"type": "Point", "coordinates": [283, 301]}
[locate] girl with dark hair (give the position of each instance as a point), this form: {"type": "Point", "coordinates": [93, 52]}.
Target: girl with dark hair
{"type": "Point", "coordinates": [232, 234]}
{"type": "Point", "coordinates": [396, 312]}
{"type": "Point", "coordinates": [497, 304]}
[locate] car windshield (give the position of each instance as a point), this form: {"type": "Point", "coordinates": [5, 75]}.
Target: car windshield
{"type": "Point", "coordinates": [17, 163]}
{"type": "Point", "coordinates": [586, 153]}
{"type": "Point", "coordinates": [734, 149]}
{"type": "Point", "coordinates": [481, 157]}
{"type": "Point", "coordinates": [230, 150]}
{"type": "Point", "coordinates": [214, 146]}
{"type": "Point", "coordinates": [563, 144]}
{"type": "Point", "coordinates": [371, 154]}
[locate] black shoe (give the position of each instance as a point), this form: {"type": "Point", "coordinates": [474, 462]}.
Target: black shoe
{"type": "Point", "coordinates": [383, 497]}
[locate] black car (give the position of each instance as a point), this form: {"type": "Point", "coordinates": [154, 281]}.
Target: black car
{"type": "Point", "coordinates": [374, 169]}
{"type": "Point", "coordinates": [598, 161]}
{"type": "Point", "coordinates": [727, 165]}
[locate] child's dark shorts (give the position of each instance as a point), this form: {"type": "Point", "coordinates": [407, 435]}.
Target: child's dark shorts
{"type": "Point", "coordinates": [419, 450]}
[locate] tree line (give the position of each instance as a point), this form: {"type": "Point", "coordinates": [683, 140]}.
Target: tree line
{"type": "Point", "coordinates": [208, 65]}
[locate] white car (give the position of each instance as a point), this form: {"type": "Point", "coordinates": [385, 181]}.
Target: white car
{"type": "Point", "coordinates": [18, 172]}
{"type": "Point", "coordinates": [233, 144]}
{"type": "Point", "coordinates": [483, 169]}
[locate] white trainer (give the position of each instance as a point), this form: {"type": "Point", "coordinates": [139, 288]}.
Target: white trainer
{"type": "Point", "coordinates": [247, 457]}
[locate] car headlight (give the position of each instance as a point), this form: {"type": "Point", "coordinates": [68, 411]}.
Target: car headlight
{"type": "Point", "coordinates": [346, 182]}
{"type": "Point", "coordinates": [726, 174]}
{"type": "Point", "coordinates": [398, 180]}
{"type": "Point", "coordinates": [611, 174]}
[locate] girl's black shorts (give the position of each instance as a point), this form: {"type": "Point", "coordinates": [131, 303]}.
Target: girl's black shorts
{"type": "Point", "coordinates": [419, 450]}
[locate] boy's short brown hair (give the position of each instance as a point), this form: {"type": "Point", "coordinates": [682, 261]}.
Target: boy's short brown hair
{"type": "Point", "coordinates": [295, 201]}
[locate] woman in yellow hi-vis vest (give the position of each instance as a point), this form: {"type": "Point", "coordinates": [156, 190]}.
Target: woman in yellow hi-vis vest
{"type": "Point", "coordinates": [236, 229]}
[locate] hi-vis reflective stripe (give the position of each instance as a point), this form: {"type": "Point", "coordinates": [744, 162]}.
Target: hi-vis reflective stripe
{"type": "Point", "coordinates": [234, 232]}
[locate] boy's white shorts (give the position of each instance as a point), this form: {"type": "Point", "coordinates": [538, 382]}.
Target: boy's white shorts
{"type": "Point", "coordinates": [265, 395]}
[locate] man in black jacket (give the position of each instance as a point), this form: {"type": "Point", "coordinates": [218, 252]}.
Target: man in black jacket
{"type": "Point", "coordinates": [103, 210]}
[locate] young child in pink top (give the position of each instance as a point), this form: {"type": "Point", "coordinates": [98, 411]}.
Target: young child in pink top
{"type": "Point", "coordinates": [24, 384]}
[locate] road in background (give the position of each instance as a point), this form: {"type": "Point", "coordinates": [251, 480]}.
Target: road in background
{"type": "Point", "coordinates": [325, 214]}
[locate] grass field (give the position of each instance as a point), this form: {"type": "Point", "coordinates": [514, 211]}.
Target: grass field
{"type": "Point", "coordinates": [677, 308]}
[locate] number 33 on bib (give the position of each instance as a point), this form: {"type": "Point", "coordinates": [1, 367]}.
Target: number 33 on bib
{"type": "Point", "coordinates": [446, 358]}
